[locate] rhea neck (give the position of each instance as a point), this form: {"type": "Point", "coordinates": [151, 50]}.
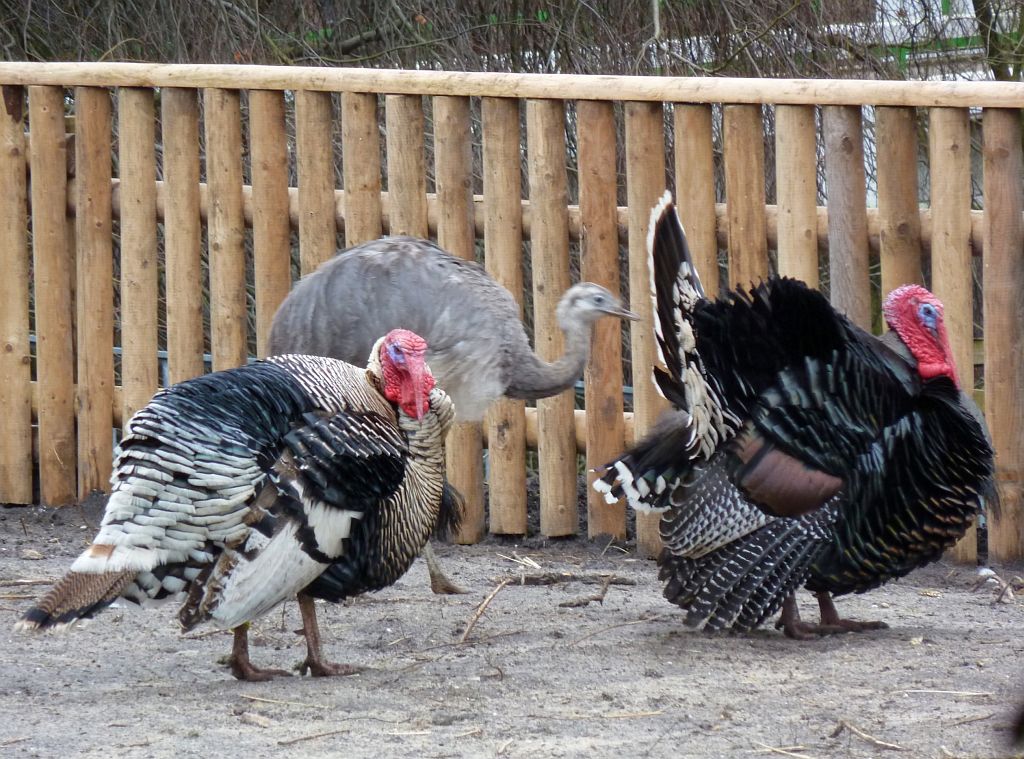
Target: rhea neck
{"type": "Point", "coordinates": [532, 377]}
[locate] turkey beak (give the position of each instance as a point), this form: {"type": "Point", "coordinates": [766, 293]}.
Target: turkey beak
{"type": "Point", "coordinates": [413, 399]}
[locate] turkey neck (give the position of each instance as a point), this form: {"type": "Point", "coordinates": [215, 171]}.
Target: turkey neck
{"type": "Point", "coordinates": [531, 377]}
{"type": "Point", "coordinates": [413, 509]}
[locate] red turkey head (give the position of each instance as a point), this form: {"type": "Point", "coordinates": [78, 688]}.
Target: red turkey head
{"type": "Point", "coordinates": [407, 380]}
{"type": "Point", "coordinates": [916, 316]}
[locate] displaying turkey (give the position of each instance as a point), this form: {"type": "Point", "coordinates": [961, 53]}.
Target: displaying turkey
{"type": "Point", "coordinates": [802, 451]}
{"type": "Point", "coordinates": [478, 348]}
{"type": "Point", "coordinates": [239, 489]}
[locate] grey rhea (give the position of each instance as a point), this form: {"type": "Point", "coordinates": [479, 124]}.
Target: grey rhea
{"type": "Point", "coordinates": [293, 476]}
{"type": "Point", "coordinates": [477, 349]}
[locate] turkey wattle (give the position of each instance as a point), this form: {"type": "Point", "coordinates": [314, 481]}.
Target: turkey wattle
{"type": "Point", "coordinates": [238, 489]}
{"type": "Point", "coordinates": [802, 451]}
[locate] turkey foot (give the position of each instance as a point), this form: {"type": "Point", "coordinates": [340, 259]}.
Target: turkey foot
{"type": "Point", "coordinates": [240, 664]}
{"type": "Point", "coordinates": [832, 623]}
{"type": "Point", "coordinates": [439, 582]}
{"type": "Point", "coordinates": [314, 662]}
{"type": "Point", "coordinates": [791, 624]}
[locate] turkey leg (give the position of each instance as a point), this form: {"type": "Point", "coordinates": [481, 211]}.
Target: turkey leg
{"type": "Point", "coordinates": [439, 582]}
{"type": "Point", "coordinates": [831, 623]}
{"type": "Point", "coordinates": [241, 666]}
{"type": "Point", "coordinates": [314, 662]}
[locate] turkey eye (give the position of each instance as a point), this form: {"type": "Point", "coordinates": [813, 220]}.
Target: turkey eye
{"type": "Point", "coordinates": [929, 314]}
{"type": "Point", "coordinates": [397, 354]}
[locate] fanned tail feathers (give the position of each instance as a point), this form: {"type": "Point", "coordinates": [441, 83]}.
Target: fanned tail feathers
{"type": "Point", "coordinates": [647, 475]}
{"type": "Point", "coordinates": [75, 596]}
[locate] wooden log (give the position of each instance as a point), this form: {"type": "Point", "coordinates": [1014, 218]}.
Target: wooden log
{"type": "Point", "coordinates": [95, 292]}
{"type": "Point", "coordinates": [508, 85]}
{"type": "Point", "coordinates": [621, 218]}
{"type": "Point", "coordinates": [271, 237]}
{"type": "Point", "coordinates": [407, 179]}
{"type": "Point", "coordinates": [139, 255]}
{"type": "Point", "coordinates": [182, 234]}
{"type": "Point", "coordinates": [545, 135]}
{"type": "Point", "coordinates": [743, 136]}
{"type": "Point", "coordinates": [849, 280]}
{"type": "Point", "coordinates": [360, 145]}
{"type": "Point", "coordinates": [896, 136]}
{"type": "Point", "coordinates": [602, 380]}
{"type": "Point", "coordinates": [1004, 326]}
{"type": "Point", "coordinates": [314, 148]}
{"type": "Point", "coordinates": [15, 356]}
{"type": "Point", "coordinates": [503, 246]}
{"type": "Point", "coordinates": [53, 272]}
{"type": "Point", "coordinates": [645, 183]}
{"type": "Point", "coordinates": [225, 228]}
{"type": "Point", "coordinates": [949, 148]}
{"type": "Point", "coordinates": [796, 177]}
{"type": "Point", "coordinates": [453, 169]}
{"type": "Point", "coordinates": [695, 189]}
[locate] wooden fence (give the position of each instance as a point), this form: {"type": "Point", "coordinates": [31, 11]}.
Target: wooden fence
{"type": "Point", "coordinates": [68, 222]}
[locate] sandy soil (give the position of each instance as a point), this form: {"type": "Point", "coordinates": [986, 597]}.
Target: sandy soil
{"type": "Point", "coordinates": [535, 678]}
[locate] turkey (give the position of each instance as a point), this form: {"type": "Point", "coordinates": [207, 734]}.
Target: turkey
{"type": "Point", "coordinates": [238, 489]}
{"type": "Point", "coordinates": [801, 450]}
{"type": "Point", "coordinates": [478, 348]}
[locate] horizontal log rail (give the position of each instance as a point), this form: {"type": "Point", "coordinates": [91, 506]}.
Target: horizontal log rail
{"type": "Point", "coordinates": [575, 224]}
{"type": "Point", "coordinates": [507, 85]}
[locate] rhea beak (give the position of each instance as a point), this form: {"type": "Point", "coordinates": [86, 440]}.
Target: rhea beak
{"type": "Point", "coordinates": [625, 313]}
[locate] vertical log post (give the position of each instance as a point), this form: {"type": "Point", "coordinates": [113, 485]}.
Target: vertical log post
{"type": "Point", "coordinates": [271, 238]}
{"type": "Point", "coordinates": [318, 237]}
{"type": "Point", "coordinates": [139, 281]}
{"type": "Point", "coordinates": [407, 178]}
{"type": "Point", "coordinates": [360, 145]}
{"type": "Point", "coordinates": [796, 173]}
{"type": "Point", "coordinates": [503, 246]}
{"type": "Point", "coordinates": [849, 277]}
{"type": "Point", "coordinates": [453, 169]}
{"type": "Point", "coordinates": [15, 358]}
{"type": "Point", "coordinates": [225, 228]}
{"type": "Point", "coordinates": [949, 148]}
{"type": "Point", "coordinates": [549, 243]}
{"type": "Point", "coordinates": [95, 292]}
{"type": "Point", "coordinates": [53, 271]}
{"type": "Point", "coordinates": [645, 183]}
{"type": "Point", "coordinates": [1004, 323]}
{"type": "Point", "coordinates": [695, 189]}
{"type": "Point", "coordinates": [602, 380]}
{"type": "Point", "coordinates": [896, 136]}
{"type": "Point", "coordinates": [182, 234]}
{"type": "Point", "coordinates": [743, 136]}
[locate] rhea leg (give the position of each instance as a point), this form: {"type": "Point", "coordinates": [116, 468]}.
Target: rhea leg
{"type": "Point", "coordinates": [241, 666]}
{"type": "Point", "coordinates": [439, 582]}
{"type": "Point", "coordinates": [314, 662]}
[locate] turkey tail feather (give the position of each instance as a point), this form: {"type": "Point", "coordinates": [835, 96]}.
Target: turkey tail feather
{"type": "Point", "coordinates": [76, 596]}
{"type": "Point", "coordinates": [451, 512]}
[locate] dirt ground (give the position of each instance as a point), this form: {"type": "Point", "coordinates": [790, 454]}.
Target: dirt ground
{"type": "Point", "coordinates": [536, 677]}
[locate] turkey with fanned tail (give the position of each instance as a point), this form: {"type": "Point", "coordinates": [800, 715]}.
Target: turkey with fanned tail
{"type": "Point", "coordinates": [801, 450]}
{"type": "Point", "coordinates": [295, 475]}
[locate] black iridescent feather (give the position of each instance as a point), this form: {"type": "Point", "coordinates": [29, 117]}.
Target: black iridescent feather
{"type": "Point", "coordinates": [895, 466]}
